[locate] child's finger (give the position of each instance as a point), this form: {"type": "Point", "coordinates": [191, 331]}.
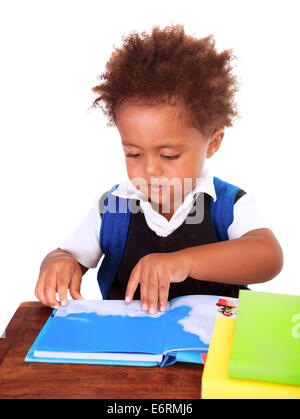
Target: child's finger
{"type": "Point", "coordinates": [50, 289]}
{"type": "Point", "coordinates": [144, 293]}
{"type": "Point", "coordinates": [62, 287]}
{"type": "Point", "coordinates": [132, 283]}
{"type": "Point", "coordinates": [39, 291]}
{"type": "Point", "coordinates": [153, 293]}
{"type": "Point", "coordinates": [75, 286]}
{"type": "Point", "coordinates": [163, 293]}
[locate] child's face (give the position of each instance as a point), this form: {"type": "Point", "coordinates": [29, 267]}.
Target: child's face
{"type": "Point", "coordinates": [159, 147]}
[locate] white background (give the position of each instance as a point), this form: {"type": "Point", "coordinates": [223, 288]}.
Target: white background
{"type": "Point", "coordinates": [57, 155]}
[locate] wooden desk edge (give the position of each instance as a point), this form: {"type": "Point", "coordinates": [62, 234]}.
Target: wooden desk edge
{"type": "Point", "coordinates": [32, 304]}
{"type": "Point", "coordinates": [13, 327]}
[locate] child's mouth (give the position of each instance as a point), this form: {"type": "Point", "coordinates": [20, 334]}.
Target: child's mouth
{"type": "Point", "coordinates": [155, 187]}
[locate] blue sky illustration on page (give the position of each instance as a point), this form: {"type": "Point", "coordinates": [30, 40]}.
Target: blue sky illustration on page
{"type": "Point", "coordinates": [103, 326]}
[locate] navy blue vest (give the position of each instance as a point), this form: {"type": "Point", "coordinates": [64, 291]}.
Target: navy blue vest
{"type": "Point", "coordinates": [125, 238]}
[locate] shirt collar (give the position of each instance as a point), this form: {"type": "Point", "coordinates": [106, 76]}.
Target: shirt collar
{"type": "Point", "coordinates": [204, 184]}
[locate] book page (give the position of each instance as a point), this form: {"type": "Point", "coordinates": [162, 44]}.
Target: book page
{"type": "Point", "coordinates": [191, 320]}
{"type": "Point", "coordinates": [104, 326]}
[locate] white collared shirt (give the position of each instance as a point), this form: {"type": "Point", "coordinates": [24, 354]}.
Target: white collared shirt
{"type": "Point", "coordinates": [84, 243]}
{"type": "Point", "coordinates": [154, 219]}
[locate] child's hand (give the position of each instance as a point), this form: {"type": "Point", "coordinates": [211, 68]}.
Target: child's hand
{"type": "Point", "coordinates": [59, 272]}
{"type": "Point", "coordinates": [154, 272]}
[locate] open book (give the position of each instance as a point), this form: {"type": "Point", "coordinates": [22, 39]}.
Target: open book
{"type": "Point", "coordinates": [115, 332]}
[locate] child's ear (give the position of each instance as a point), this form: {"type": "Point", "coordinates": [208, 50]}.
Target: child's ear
{"type": "Point", "coordinates": [215, 142]}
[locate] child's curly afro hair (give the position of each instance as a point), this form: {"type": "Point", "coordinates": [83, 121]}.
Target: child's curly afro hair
{"type": "Point", "coordinates": [171, 68]}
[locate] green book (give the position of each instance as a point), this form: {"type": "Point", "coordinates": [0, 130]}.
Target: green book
{"type": "Point", "coordinates": [266, 345]}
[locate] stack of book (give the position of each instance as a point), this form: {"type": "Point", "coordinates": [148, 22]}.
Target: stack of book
{"type": "Point", "coordinates": [256, 355]}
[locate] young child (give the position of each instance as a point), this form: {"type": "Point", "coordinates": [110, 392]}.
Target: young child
{"type": "Point", "coordinates": [170, 95]}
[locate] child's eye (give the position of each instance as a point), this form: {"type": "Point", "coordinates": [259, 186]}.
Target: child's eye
{"type": "Point", "coordinates": [165, 157]}
{"type": "Point", "coordinates": [132, 155]}
{"type": "Point", "coordinates": [171, 157]}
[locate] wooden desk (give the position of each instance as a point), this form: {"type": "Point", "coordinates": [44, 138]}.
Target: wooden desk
{"type": "Point", "coordinates": [19, 379]}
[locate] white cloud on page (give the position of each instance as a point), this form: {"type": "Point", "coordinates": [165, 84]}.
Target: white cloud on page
{"type": "Point", "coordinates": [201, 319]}
{"type": "Point", "coordinates": [105, 308]}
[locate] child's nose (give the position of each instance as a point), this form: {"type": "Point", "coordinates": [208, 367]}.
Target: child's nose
{"type": "Point", "coordinates": [152, 167]}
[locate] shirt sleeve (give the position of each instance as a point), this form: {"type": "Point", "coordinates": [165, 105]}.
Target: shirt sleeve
{"type": "Point", "coordinates": [246, 217]}
{"type": "Point", "coordinates": [84, 243]}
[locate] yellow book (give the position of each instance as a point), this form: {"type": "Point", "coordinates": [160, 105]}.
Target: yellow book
{"type": "Point", "coordinates": [215, 381]}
